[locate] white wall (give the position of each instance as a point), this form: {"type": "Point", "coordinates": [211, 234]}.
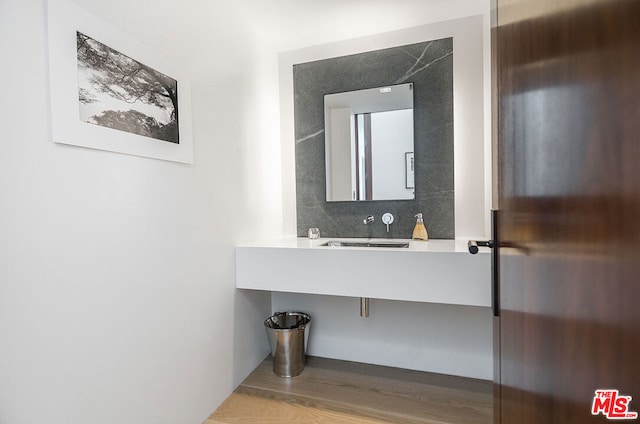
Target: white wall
{"type": "Point", "coordinates": [446, 339]}
{"type": "Point", "coordinates": [117, 299]}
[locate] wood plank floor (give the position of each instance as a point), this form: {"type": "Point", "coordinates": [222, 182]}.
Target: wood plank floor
{"type": "Point", "coordinates": [336, 392]}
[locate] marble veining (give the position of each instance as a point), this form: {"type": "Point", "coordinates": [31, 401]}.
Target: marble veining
{"type": "Point", "coordinates": [419, 61]}
{"type": "Point", "coordinates": [429, 66]}
{"type": "Point", "coordinates": [310, 136]}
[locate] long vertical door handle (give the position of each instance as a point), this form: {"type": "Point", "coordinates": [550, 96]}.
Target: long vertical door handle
{"type": "Point", "coordinates": [495, 265]}
{"type": "Point", "coordinates": [474, 246]}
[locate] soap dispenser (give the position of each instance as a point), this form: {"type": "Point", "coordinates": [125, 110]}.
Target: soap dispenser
{"type": "Point", "coordinates": [420, 231]}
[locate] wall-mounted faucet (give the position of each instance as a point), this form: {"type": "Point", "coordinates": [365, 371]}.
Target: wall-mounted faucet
{"type": "Point", "coordinates": [368, 219]}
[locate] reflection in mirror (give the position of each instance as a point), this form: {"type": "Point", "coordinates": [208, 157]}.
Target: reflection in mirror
{"type": "Point", "coordinates": [368, 138]}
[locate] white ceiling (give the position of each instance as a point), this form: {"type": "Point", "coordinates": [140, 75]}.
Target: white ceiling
{"type": "Point", "coordinates": [280, 25]}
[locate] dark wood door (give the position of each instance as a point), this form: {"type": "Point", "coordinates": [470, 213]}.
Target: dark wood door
{"type": "Point", "coordinates": [567, 128]}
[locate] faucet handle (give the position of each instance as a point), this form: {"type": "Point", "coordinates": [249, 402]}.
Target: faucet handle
{"type": "Point", "coordinates": [387, 219]}
{"type": "Point", "coordinates": [368, 219]}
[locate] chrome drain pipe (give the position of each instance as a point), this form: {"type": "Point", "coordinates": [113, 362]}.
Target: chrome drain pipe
{"type": "Point", "coordinates": [364, 307]}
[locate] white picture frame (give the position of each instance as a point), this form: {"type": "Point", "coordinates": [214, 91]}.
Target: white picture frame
{"type": "Point", "coordinates": [64, 20]}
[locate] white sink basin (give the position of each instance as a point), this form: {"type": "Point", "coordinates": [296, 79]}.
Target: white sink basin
{"type": "Point", "coordinates": [340, 243]}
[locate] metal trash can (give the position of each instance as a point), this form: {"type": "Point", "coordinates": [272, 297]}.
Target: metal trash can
{"type": "Point", "coordinates": [288, 333]}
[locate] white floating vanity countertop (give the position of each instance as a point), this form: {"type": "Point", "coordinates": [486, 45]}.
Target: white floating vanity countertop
{"type": "Point", "coordinates": [437, 271]}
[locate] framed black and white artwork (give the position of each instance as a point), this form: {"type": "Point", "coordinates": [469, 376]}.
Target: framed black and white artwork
{"type": "Point", "coordinates": [110, 92]}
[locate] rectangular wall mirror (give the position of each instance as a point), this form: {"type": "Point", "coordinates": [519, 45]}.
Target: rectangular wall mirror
{"type": "Point", "coordinates": [369, 144]}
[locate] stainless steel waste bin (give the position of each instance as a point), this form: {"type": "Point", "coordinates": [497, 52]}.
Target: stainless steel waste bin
{"type": "Point", "coordinates": [288, 333]}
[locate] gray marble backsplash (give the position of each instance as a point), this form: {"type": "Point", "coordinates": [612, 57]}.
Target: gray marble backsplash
{"type": "Point", "coordinates": [429, 66]}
